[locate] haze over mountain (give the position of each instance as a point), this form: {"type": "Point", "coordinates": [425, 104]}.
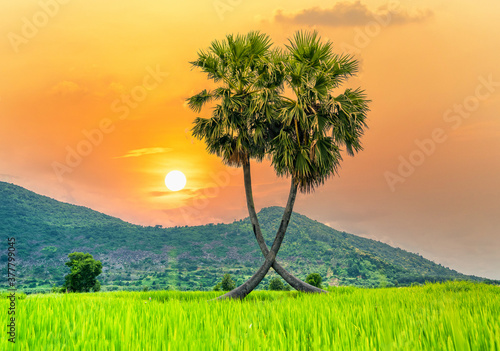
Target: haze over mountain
{"type": "Point", "coordinates": [190, 258]}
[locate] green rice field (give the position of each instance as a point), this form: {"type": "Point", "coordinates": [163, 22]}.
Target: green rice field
{"type": "Point", "coordinates": [448, 316]}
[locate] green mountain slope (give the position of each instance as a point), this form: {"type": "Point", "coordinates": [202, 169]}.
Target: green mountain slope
{"type": "Point", "coordinates": [190, 258]}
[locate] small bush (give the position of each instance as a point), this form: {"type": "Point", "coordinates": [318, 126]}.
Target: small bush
{"type": "Point", "coordinates": [276, 284]}
{"type": "Point", "coordinates": [314, 279]}
{"type": "Point", "coordinates": [227, 284]}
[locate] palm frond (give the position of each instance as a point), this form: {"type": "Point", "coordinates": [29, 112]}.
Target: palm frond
{"type": "Point", "coordinates": [197, 101]}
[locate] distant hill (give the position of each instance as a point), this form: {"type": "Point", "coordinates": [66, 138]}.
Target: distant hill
{"type": "Point", "coordinates": [192, 258]}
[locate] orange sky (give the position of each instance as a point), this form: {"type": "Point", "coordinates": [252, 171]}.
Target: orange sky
{"type": "Point", "coordinates": [430, 67]}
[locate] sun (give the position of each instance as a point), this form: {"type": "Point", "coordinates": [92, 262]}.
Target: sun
{"type": "Point", "coordinates": [175, 180]}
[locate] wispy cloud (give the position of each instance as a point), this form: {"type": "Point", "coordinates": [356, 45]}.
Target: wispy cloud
{"type": "Point", "coordinates": [146, 151]}
{"type": "Point", "coordinates": [159, 193]}
{"type": "Point", "coordinates": [346, 14]}
{"type": "Point", "coordinates": [7, 177]}
{"type": "Point", "coordinates": [66, 87]}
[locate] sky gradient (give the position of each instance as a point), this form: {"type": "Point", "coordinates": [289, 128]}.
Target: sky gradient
{"type": "Point", "coordinates": [92, 112]}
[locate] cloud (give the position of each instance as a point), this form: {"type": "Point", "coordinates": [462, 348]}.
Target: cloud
{"type": "Point", "coordinates": [158, 193]}
{"type": "Point", "coordinates": [347, 14]}
{"type": "Point", "coordinates": [66, 88]}
{"type": "Point", "coordinates": [116, 88]}
{"type": "Point", "coordinates": [146, 151]}
{"type": "Point", "coordinates": [7, 177]}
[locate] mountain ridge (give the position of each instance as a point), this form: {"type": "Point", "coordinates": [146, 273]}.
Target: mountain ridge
{"type": "Point", "coordinates": [190, 258]}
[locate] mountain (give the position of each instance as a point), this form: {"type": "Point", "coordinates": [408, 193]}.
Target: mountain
{"type": "Point", "coordinates": [191, 258]}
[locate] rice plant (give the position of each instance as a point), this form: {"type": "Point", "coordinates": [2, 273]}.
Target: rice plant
{"type": "Point", "coordinates": [448, 316]}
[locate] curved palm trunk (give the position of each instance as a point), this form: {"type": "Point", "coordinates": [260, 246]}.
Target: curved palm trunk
{"type": "Point", "coordinates": [244, 289]}
{"type": "Point", "coordinates": [296, 283]}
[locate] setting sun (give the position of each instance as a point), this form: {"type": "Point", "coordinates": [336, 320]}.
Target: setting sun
{"type": "Point", "coordinates": [175, 180]}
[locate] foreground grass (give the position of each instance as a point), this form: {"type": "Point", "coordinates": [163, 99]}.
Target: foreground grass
{"type": "Point", "coordinates": [450, 316]}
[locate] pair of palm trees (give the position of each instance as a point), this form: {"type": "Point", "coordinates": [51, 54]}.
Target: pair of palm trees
{"type": "Point", "coordinates": [278, 104]}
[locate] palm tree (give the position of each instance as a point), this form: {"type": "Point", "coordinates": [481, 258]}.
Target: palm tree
{"type": "Point", "coordinates": [302, 135]}
{"type": "Point", "coordinates": [243, 122]}
{"type": "Point", "coordinates": [314, 126]}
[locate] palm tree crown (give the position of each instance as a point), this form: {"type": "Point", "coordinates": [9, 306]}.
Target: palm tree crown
{"type": "Point", "coordinates": [238, 127]}
{"type": "Point", "coordinates": [315, 123]}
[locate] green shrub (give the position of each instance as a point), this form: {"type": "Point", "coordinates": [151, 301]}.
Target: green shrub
{"type": "Point", "coordinates": [227, 284]}
{"type": "Point", "coordinates": [314, 279]}
{"type": "Point", "coordinates": [276, 284]}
